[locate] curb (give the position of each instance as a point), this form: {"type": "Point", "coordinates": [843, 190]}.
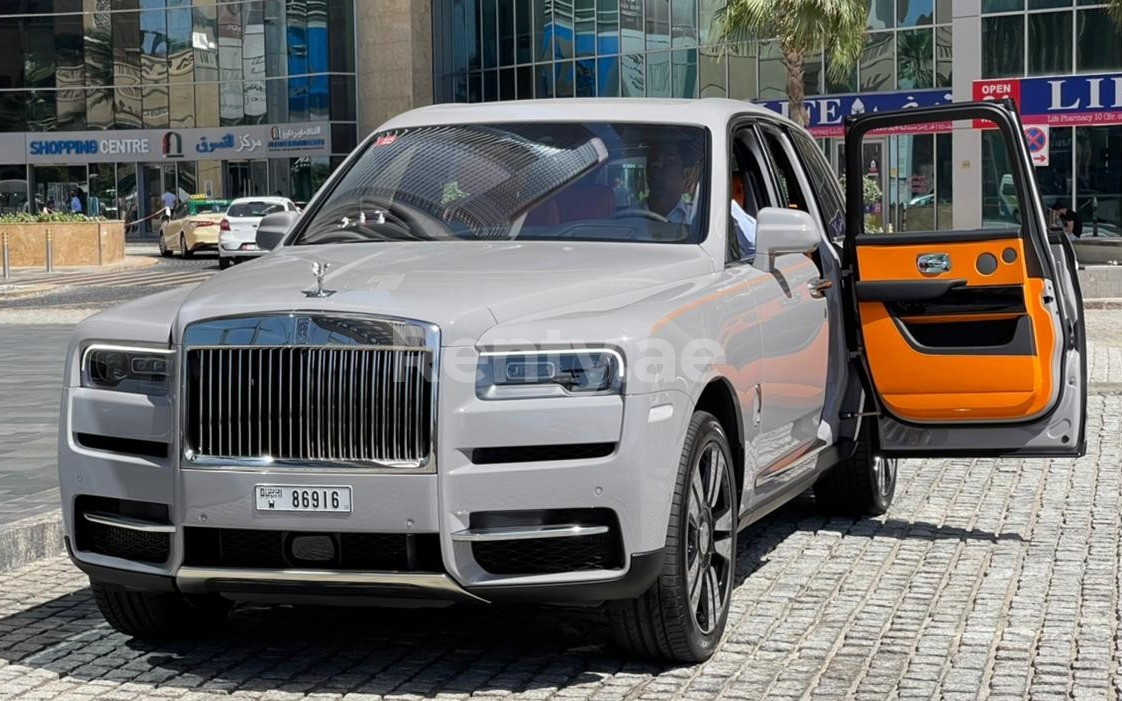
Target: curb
{"type": "Point", "coordinates": [1103, 303]}
{"type": "Point", "coordinates": [30, 539]}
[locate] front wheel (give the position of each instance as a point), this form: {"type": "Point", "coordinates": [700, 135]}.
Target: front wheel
{"type": "Point", "coordinates": [683, 615]}
{"type": "Point", "coordinates": [152, 615]}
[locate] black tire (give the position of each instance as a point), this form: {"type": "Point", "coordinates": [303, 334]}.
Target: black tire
{"type": "Point", "coordinates": [163, 249]}
{"type": "Point", "coordinates": [224, 263]}
{"type": "Point", "coordinates": [863, 484]}
{"type": "Point", "coordinates": [664, 623]}
{"type": "Point", "coordinates": [183, 250]}
{"type": "Point", "coordinates": [151, 615]}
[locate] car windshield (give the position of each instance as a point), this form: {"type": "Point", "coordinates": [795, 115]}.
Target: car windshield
{"type": "Point", "coordinates": [207, 207]}
{"type": "Point", "coordinates": [254, 209]}
{"type": "Point", "coordinates": [525, 181]}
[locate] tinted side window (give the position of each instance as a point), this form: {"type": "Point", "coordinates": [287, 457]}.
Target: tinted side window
{"type": "Point", "coordinates": [826, 191]}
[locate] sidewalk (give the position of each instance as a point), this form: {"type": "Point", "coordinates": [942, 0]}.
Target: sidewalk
{"type": "Point", "coordinates": [26, 282]}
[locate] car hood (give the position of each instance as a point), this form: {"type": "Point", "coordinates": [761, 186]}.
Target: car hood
{"type": "Point", "coordinates": [466, 287]}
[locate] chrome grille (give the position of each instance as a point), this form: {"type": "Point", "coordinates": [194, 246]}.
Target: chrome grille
{"type": "Point", "coordinates": [318, 404]}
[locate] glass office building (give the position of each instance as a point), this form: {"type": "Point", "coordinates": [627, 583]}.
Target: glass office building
{"type": "Point", "coordinates": [488, 50]}
{"type": "Point", "coordinates": [1076, 50]}
{"type": "Point", "coordinates": [123, 100]}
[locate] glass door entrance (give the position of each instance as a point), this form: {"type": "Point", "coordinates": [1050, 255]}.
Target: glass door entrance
{"type": "Point", "coordinates": [155, 179]}
{"type": "Point", "coordinates": [247, 178]}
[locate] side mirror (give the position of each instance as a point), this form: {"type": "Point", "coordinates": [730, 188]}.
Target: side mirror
{"type": "Point", "coordinates": [781, 232]}
{"type": "Point", "coordinates": [273, 228]}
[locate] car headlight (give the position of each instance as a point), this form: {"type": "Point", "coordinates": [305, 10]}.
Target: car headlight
{"type": "Point", "coordinates": [555, 373]}
{"type": "Point", "coordinates": [127, 369]}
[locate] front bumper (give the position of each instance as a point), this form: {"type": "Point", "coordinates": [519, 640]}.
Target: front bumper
{"type": "Point", "coordinates": [633, 483]}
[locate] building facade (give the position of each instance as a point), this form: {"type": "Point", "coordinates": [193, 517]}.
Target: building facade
{"type": "Point", "coordinates": [124, 100]}
{"type": "Point", "coordinates": [1062, 59]}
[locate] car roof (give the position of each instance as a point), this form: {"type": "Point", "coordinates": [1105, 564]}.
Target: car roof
{"type": "Point", "coordinates": [713, 112]}
{"type": "Point", "coordinates": [271, 199]}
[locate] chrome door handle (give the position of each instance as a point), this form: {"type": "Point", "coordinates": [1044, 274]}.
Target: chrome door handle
{"type": "Point", "coordinates": [818, 286]}
{"type": "Point", "coordinates": [933, 263]}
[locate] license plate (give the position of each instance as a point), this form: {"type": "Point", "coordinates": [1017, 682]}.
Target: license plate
{"type": "Point", "coordinates": [277, 497]}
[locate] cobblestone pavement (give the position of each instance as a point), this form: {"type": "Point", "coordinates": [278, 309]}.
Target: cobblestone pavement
{"type": "Point", "coordinates": [988, 578]}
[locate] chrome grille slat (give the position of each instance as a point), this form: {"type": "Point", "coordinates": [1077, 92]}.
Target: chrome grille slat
{"type": "Point", "coordinates": [309, 404]}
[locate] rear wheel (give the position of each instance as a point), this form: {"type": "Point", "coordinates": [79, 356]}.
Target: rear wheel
{"type": "Point", "coordinates": [183, 250]}
{"type": "Point", "coordinates": [158, 615]}
{"type": "Point", "coordinates": [682, 616]}
{"type": "Point", "coordinates": [164, 251]}
{"type": "Point", "coordinates": [863, 484]}
{"type": "Point", "coordinates": [224, 263]}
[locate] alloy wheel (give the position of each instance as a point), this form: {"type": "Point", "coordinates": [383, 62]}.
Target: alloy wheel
{"type": "Point", "coordinates": [884, 472]}
{"type": "Point", "coordinates": [710, 526]}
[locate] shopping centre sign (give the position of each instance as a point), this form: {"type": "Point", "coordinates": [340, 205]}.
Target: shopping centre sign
{"type": "Point", "coordinates": [1059, 101]}
{"type": "Point", "coordinates": [150, 145]}
{"type": "Point", "coordinates": [828, 112]}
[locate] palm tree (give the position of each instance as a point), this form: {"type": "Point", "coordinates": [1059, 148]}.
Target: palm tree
{"type": "Point", "coordinates": [801, 27]}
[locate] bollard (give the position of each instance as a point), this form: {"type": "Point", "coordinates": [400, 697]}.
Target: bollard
{"type": "Point", "coordinates": [7, 260]}
{"type": "Point", "coordinates": [99, 243]}
{"type": "Point", "coordinates": [50, 253]}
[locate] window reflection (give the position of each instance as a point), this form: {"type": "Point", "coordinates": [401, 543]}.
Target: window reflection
{"type": "Point", "coordinates": [70, 76]}
{"type": "Point", "coordinates": [276, 57]}
{"type": "Point", "coordinates": [154, 63]}
{"type": "Point", "coordinates": [204, 41]}
{"type": "Point", "coordinates": [877, 62]}
{"type": "Point", "coordinates": [1097, 44]}
{"type": "Point", "coordinates": [1003, 51]}
{"type": "Point", "coordinates": [253, 64]}
{"type": "Point", "coordinates": [181, 65]}
{"type": "Point", "coordinates": [318, 102]}
{"type": "Point", "coordinates": [231, 109]}
{"type": "Point", "coordinates": [631, 26]}
{"type": "Point", "coordinates": [39, 72]}
{"type": "Point", "coordinates": [127, 103]}
{"type": "Point", "coordinates": [98, 45]}
{"type": "Point", "coordinates": [915, 59]}
{"type": "Point", "coordinates": [296, 17]}
{"type": "Point", "coordinates": [1049, 43]}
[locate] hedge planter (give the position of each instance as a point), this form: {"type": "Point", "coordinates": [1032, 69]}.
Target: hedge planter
{"type": "Point", "coordinates": [72, 243]}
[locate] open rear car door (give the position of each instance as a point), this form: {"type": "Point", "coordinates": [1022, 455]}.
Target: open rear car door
{"type": "Point", "coordinates": [972, 342]}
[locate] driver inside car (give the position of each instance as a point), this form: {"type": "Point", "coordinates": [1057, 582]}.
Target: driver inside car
{"type": "Point", "coordinates": [672, 174]}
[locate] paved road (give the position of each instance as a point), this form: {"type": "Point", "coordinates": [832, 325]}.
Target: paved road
{"type": "Point", "coordinates": [991, 579]}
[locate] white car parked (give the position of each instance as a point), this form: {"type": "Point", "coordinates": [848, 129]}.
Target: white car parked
{"type": "Point", "coordinates": [238, 231]}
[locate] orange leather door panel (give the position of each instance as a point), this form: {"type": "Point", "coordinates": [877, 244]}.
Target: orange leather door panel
{"type": "Point", "coordinates": [958, 379]}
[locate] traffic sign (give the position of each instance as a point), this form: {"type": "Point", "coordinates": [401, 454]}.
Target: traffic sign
{"type": "Point", "coordinates": [1037, 139]}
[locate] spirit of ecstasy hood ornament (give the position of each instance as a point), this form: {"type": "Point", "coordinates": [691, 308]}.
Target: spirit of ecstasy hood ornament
{"type": "Point", "coordinates": [319, 269]}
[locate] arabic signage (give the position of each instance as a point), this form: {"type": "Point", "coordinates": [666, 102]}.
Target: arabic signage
{"type": "Point", "coordinates": [1059, 101]}
{"type": "Point", "coordinates": [828, 112]}
{"type": "Point", "coordinates": [224, 143]}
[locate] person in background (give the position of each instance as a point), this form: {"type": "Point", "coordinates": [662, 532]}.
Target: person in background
{"type": "Point", "coordinates": [1072, 222]}
{"type": "Point", "coordinates": [75, 203]}
{"type": "Point", "coordinates": [169, 199]}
